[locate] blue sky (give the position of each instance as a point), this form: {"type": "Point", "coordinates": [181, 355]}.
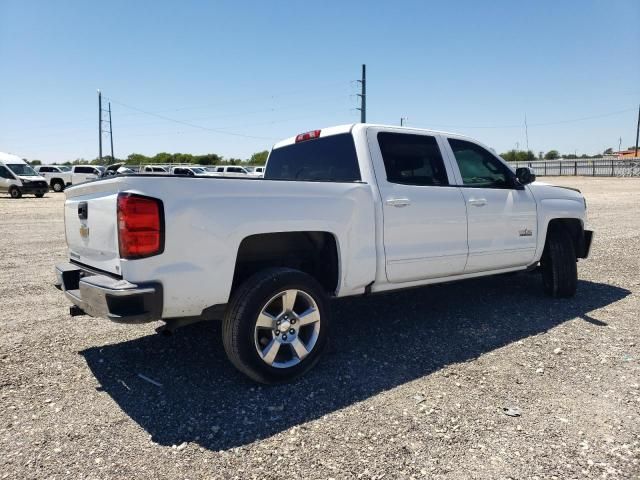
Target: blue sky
{"type": "Point", "coordinates": [272, 69]}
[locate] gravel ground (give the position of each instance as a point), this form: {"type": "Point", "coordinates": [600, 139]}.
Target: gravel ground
{"type": "Point", "coordinates": [415, 384]}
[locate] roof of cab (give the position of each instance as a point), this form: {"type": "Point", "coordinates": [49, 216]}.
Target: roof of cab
{"type": "Point", "coordinates": [325, 132]}
{"type": "Point", "coordinates": [9, 157]}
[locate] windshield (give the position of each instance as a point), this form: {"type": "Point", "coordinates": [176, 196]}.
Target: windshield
{"type": "Point", "coordinates": [22, 169]}
{"type": "Point", "coordinates": [198, 170]}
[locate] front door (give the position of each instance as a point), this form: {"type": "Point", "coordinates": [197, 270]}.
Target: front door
{"type": "Point", "coordinates": [424, 216]}
{"type": "Point", "coordinates": [502, 228]}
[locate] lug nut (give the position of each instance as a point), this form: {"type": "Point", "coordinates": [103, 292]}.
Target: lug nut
{"type": "Point", "coordinates": [277, 332]}
{"type": "Point", "coordinates": [284, 336]}
{"type": "Point", "coordinates": [292, 331]}
{"type": "Point", "coordinates": [278, 322]}
{"type": "Point", "coordinates": [293, 321]}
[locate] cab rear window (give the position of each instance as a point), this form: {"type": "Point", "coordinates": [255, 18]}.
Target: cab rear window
{"type": "Point", "coordinates": [324, 159]}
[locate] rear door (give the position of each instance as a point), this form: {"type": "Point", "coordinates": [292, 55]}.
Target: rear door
{"type": "Point", "coordinates": [501, 214]}
{"type": "Point", "coordinates": [425, 220]}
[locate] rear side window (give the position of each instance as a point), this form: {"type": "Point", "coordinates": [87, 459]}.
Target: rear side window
{"type": "Point", "coordinates": [84, 170]}
{"type": "Point", "coordinates": [412, 159]}
{"type": "Point", "coordinates": [324, 159]}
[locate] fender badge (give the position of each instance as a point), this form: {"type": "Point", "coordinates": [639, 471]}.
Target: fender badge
{"type": "Point", "coordinates": [84, 231]}
{"type": "Point", "coordinates": [525, 232]}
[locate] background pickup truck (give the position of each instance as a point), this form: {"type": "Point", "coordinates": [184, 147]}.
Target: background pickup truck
{"type": "Point", "coordinates": [348, 210]}
{"type": "Point", "coordinates": [59, 177]}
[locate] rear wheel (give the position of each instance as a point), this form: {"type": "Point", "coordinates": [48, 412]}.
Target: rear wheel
{"type": "Point", "coordinates": [276, 325]}
{"type": "Point", "coordinates": [558, 264]}
{"type": "Point", "coordinates": [39, 195]}
{"type": "Point", "coordinates": [57, 186]}
{"type": "Point", "coordinates": [15, 192]}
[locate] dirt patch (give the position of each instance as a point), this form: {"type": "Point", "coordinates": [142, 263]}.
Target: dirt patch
{"type": "Point", "coordinates": [481, 379]}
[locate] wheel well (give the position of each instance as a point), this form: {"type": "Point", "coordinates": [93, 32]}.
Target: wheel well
{"type": "Point", "coordinates": [315, 253]}
{"type": "Point", "coordinates": [573, 226]}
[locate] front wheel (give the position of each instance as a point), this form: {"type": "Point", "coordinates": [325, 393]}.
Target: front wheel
{"type": "Point", "coordinates": [15, 192]}
{"type": "Point", "coordinates": [276, 325]}
{"type": "Point", "coordinates": [57, 186]}
{"type": "Point", "coordinates": [558, 264]}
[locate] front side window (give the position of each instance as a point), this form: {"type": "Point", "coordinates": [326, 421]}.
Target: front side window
{"type": "Point", "coordinates": [5, 173]}
{"type": "Point", "coordinates": [22, 169]}
{"type": "Point", "coordinates": [479, 167]}
{"type": "Point", "coordinates": [412, 159]}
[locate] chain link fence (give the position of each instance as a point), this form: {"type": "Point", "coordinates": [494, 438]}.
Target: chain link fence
{"type": "Point", "coordinates": [592, 167]}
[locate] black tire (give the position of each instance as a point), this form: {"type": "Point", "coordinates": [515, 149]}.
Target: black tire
{"type": "Point", "coordinates": [15, 192]}
{"type": "Point", "coordinates": [559, 264]}
{"type": "Point", "coordinates": [39, 195]}
{"type": "Point", "coordinates": [57, 186]}
{"type": "Point", "coordinates": [241, 316]}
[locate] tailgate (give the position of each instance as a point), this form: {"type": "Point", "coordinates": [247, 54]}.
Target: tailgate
{"type": "Point", "coordinates": [90, 217]}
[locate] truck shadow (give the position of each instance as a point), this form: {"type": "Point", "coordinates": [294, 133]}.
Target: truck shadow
{"type": "Point", "coordinates": [378, 343]}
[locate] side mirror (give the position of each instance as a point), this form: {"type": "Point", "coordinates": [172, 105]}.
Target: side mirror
{"type": "Point", "coordinates": [525, 175]}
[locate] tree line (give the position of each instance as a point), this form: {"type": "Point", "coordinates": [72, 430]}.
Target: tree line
{"type": "Point", "coordinates": [258, 158]}
{"type": "Point", "coordinates": [529, 156]}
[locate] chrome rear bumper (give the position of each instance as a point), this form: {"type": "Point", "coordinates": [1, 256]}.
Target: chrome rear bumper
{"type": "Point", "coordinates": [101, 295]}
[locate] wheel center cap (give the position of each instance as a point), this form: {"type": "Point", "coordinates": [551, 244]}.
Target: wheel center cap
{"type": "Point", "coordinates": [285, 325]}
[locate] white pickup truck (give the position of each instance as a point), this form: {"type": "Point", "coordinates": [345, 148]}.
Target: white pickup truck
{"type": "Point", "coordinates": [347, 210]}
{"type": "Point", "coordinates": [59, 177]}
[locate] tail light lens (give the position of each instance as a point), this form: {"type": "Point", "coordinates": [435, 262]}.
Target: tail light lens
{"type": "Point", "coordinates": [140, 226]}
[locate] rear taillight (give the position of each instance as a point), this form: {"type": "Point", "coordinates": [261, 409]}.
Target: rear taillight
{"type": "Point", "coordinates": [140, 226]}
{"type": "Point", "coordinates": [308, 136]}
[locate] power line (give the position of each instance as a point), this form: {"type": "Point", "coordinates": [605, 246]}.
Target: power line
{"type": "Point", "coordinates": [189, 124]}
{"type": "Point", "coordinates": [544, 124]}
{"type": "Point", "coordinates": [245, 100]}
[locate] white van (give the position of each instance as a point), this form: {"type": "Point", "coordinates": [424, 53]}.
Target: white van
{"type": "Point", "coordinates": [18, 178]}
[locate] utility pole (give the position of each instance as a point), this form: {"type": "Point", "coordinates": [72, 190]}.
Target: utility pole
{"type": "Point", "coordinates": [526, 131]}
{"type": "Point", "coordinates": [638, 131]}
{"type": "Point", "coordinates": [363, 95]}
{"type": "Point", "coordinates": [620, 144]}
{"type": "Point", "coordinates": [113, 159]}
{"type": "Point", "coordinates": [100, 126]}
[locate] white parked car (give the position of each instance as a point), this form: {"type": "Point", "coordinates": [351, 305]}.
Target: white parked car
{"type": "Point", "coordinates": [85, 173]}
{"type": "Point", "coordinates": [191, 171]}
{"type": "Point", "coordinates": [153, 169]}
{"type": "Point", "coordinates": [348, 210]}
{"type": "Point", "coordinates": [228, 171]}
{"type": "Point", "coordinates": [18, 178]}
{"type": "Point", "coordinates": [255, 171]}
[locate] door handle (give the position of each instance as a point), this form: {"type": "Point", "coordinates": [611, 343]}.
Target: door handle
{"type": "Point", "coordinates": [478, 202]}
{"type": "Point", "coordinates": [398, 202]}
